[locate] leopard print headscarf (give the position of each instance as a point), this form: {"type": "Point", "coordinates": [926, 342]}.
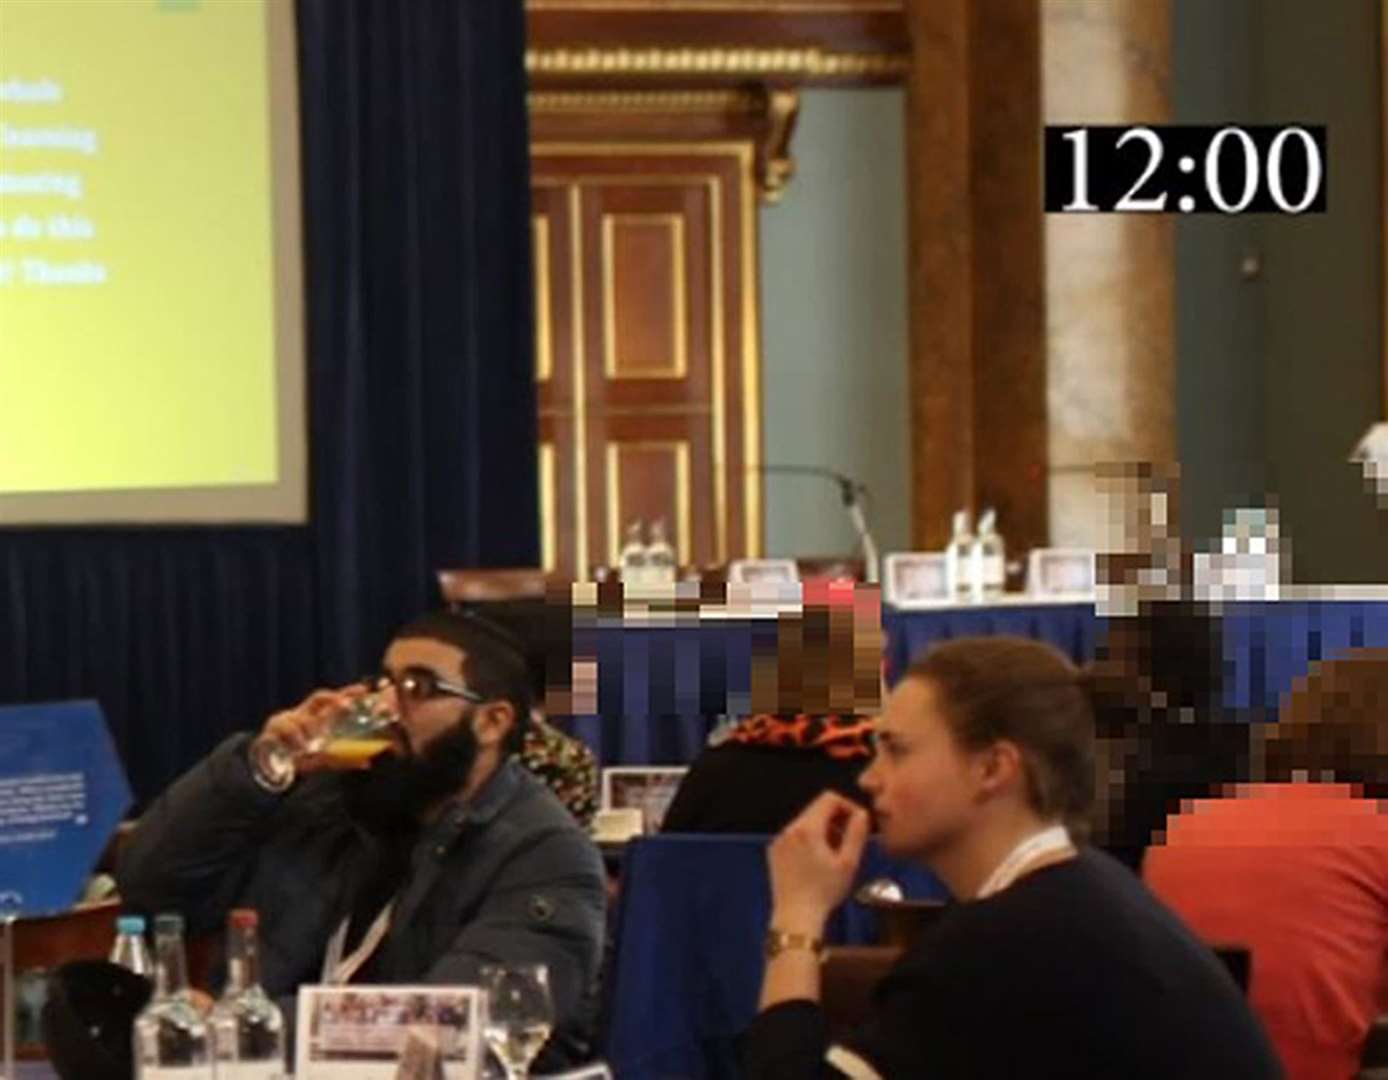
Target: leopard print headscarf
{"type": "Point", "coordinates": [835, 736]}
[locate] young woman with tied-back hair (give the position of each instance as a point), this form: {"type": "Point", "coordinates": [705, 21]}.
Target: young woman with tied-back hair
{"type": "Point", "coordinates": [1056, 961]}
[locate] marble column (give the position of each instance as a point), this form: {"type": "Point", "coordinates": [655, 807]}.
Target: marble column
{"type": "Point", "coordinates": [1110, 279]}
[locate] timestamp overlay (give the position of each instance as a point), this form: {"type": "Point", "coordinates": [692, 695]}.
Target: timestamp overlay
{"type": "Point", "coordinates": [1187, 169]}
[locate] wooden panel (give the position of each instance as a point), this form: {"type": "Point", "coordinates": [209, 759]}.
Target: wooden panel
{"type": "Point", "coordinates": [1011, 443]}
{"type": "Point", "coordinates": [645, 327]}
{"type": "Point", "coordinates": [643, 310]}
{"type": "Point", "coordinates": [649, 481]}
{"type": "Point", "coordinates": [977, 376]}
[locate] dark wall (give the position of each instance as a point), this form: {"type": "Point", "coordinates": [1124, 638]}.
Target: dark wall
{"type": "Point", "coordinates": [1279, 362]}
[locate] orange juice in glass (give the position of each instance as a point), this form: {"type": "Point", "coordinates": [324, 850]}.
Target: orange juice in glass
{"type": "Point", "coordinates": [356, 737]}
{"type": "Point", "coordinates": [359, 735]}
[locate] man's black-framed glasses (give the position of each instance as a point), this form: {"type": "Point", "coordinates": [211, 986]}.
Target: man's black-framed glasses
{"type": "Point", "coordinates": [417, 685]}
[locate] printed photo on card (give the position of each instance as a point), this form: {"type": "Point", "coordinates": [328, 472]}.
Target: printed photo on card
{"type": "Point", "coordinates": [389, 1033]}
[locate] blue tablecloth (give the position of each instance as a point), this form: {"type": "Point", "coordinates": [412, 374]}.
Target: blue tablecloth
{"type": "Point", "coordinates": [688, 965]}
{"type": "Point", "coordinates": [1268, 646]}
{"type": "Point", "coordinates": [661, 688]}
{"type": "Point", "coordinates": [1074, 629]}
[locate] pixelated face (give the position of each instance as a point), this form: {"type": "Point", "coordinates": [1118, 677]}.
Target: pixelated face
{"type": "Point", "coordinates": [925, 786]}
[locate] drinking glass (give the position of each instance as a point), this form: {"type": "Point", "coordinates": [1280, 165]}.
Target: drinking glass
{"type": "Point", "coordinates": [520, 1014]}
{"type": "Point", "coordinates": [356, 735]}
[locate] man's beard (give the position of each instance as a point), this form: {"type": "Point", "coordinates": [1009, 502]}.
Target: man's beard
{"type": "Point", "coordinates": [393, 794]}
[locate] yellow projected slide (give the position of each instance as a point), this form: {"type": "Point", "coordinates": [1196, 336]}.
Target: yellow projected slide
{"type": "Point", "coordinates": [138, 333]}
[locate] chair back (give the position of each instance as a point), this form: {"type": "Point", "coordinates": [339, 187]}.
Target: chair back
{"type": "Point", "coordinates": [848, 978]}
{"type": "Point", "coordinates": [900, 923]}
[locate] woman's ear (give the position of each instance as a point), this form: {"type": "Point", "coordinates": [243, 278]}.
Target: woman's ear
{"type": "Point", "coordinates": [1001, 766]}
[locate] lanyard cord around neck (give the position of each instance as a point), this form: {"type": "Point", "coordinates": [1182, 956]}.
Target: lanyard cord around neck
{"type": "Point", "coordinates": [1052, 841]}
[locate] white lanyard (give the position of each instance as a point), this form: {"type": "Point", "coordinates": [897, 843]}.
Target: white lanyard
{"type": "Point", "coordinates": [1047, 842]}
{"type": "Point", "coordinates": [339, 972]}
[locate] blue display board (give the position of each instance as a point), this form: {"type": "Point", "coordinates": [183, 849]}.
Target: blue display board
{"type": "Point", "coordinates": [62, 794]}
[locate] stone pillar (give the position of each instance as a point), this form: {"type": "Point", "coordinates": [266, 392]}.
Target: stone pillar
{"type": "Point", "coordinates": [1110, 279]}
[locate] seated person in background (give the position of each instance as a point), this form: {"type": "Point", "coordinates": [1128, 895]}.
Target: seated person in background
{"type": "Point", "coordinates": [1164, 734]}
{"type": "Point", "coordinates": [435, 860]}
{"type": "Point", "coordinates": [757, 774]}
{"type": "Point", "coordinates": [1297, 868]}
{"type": "Point", "coordinates": [1056, 962]}
{"type": "Point", "coordinates": [563, 764]}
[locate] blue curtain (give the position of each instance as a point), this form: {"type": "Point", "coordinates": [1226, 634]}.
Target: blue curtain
{"type": "Point", "coordinates": [421, 409]}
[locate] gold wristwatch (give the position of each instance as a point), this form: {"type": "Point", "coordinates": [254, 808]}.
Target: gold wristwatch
{"type": "Point", "coordinates": [778, 941]}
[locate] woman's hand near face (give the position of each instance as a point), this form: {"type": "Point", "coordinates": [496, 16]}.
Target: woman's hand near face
{"type": "Point", "coordinates": [813, 863]}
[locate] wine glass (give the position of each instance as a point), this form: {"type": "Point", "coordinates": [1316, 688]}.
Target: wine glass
{"type": "Point", "coordinates": [520, 1014]}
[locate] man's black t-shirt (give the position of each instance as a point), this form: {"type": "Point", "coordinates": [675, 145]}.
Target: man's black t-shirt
{"type": "Point", "coordinates": [1075, 971]}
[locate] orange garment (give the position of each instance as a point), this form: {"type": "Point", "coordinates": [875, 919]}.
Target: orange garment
{"type": "Point", "coordinates": [1299, 874]}
{"type": "Point", "coordinates": [840, 737]}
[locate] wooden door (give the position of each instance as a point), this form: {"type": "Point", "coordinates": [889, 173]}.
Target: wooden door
{"type": "Point", "coordinates": [647, 356]}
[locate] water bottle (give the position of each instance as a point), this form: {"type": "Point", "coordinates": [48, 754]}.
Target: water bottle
{"type": "Point", "coordinates": [660, 556]}
{"type": "Point", "coordinates": [956, 557]}
{"type": "Point", "coordinates": [633, 556]}
{"type": "Point", "coordinates": [987, 564]}
{"type": "Point", "coordinates": [130, 950]}
{"type": "Point", "coordinates": [171, 1038]}
{"type": "Point", "coordinates": [247, 1026]}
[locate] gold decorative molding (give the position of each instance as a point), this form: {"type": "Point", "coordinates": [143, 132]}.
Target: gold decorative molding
{"type": "Point", "coordinates": [729, 60]}
{"type": "Point", "coordinates": [549, 510]}
{"type": "Point", "coordinates": [742, 7]}
{"type": "Point", "coordinates": [775, 165]}
{"type": "Point", "coordinates": [580, 389]}
{"type": "Point", "coordinates": [767, 114]}
{"type": "Point", "coordinates": [544, 348]}
{"type": "Point", "coordinates": [646, 101]}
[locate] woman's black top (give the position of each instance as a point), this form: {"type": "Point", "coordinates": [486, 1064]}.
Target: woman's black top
{"type": "Point", "coordinates": [1075, 971]}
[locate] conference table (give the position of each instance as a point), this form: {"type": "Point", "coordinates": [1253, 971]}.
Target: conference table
{"type": "Point", "coordinates": [663, 685]}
